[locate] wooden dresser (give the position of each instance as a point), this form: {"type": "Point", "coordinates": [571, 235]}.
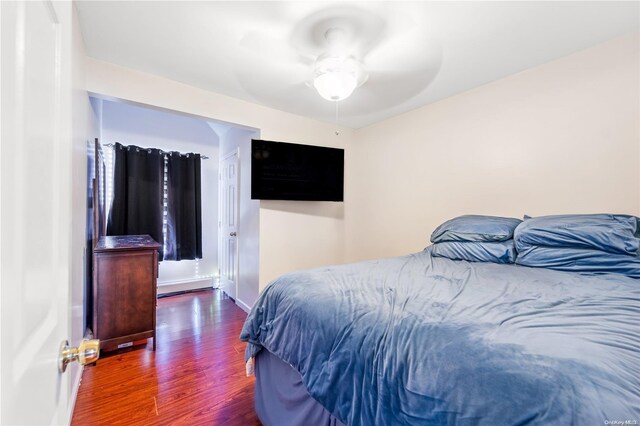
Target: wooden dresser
{"type": "Point", "coordinates": [125, 269]}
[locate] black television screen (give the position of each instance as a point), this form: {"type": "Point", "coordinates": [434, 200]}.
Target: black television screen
{"type": "Point", "coordinates": [289, 171]}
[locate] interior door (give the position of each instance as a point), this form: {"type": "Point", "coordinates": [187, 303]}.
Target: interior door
{"type": "Point", "coordinates": [228, 259]}
{"type": "Point", "coordinates": [35, 225]}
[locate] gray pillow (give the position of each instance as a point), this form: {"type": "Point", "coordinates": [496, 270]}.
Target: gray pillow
{"type": "Point", "coordinates": [580, 260]}
{"type": "Point", "coordinates": [476, 228]}
{"type": "Point", "coordinates": [607, 232]}
{"type": "Point", "coordinates": [481, 251]}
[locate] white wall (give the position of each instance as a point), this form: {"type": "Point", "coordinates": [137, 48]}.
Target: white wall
{"type": "Point", "coordinates": [249, 217]}
{"type": "Point", "coordinates": [563, 137]}
{"type": "Point", "coordinates": [149, 128]}
{"type": "Point", "coordinates": [315, 232]}
{"type": "Point", "coordinates": [96, 117]}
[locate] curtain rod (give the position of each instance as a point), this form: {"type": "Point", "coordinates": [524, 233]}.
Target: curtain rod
{"type": "Point", "coordinates": [202, 157]}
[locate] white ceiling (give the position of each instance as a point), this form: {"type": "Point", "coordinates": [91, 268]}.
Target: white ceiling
{"type": "Point", "coordinates": [416, 52]}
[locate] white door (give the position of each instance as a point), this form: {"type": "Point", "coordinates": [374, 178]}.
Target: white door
{"type": "Point", "coordinates": [35, 225]}
{"type": "Point", "coordinates": [228, 259]}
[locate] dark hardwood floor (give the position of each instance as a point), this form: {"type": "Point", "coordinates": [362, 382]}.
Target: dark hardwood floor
{"type": "Point", "coordinates": [195, 377]}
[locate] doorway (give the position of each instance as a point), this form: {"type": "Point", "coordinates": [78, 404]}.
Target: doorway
{"type": "Point", "coordinates": [243, 270]}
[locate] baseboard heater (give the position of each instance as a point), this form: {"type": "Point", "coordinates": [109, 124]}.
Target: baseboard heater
{"type": "Point", "coordinates": [171, 287]}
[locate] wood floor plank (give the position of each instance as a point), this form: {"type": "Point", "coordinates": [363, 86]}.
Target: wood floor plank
{"type": "Point", "coordinates": [195, 377]}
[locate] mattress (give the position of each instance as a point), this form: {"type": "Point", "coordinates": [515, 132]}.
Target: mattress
{"type": "Point", "coordinates": [423, 340]}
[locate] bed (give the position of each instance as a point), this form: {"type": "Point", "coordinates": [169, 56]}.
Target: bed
{"type": "Point", "coordinates": [423, 340]}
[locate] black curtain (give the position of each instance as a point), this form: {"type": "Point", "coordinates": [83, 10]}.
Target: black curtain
{"type": "Point", "coordinates": [138, 181]}
{"type": "Point", "coordinates": [184, 218]}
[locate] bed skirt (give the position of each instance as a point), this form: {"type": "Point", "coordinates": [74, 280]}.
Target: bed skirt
{"type": "Point", "coordinates": [281, 397]}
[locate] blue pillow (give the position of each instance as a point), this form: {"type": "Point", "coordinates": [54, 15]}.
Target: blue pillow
{"type": "Point", "coordinates": [607, 232]}
{"type": "Point", "coordinates": [495, 252]}
{"type": "Point", "coordinates": [580, 260]}
{"type": "Point", "coordinates": [475, 228]}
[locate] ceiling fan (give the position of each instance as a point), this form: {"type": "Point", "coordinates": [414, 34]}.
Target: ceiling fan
{"type": "Point", "coordinates": [361, 51]}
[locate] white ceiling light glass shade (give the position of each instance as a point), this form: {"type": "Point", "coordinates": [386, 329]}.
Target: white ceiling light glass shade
{"type": "Point", "coordinates": [335, 85]}
{"type": "Point", "coordinates": [337, 77]}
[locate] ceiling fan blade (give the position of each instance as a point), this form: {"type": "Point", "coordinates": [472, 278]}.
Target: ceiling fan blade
{"type": "Point", "coordinates": [272, 48]}
{"type": "Point", "coordinates": [393, 87]}
{"type": "Point", "coordinates": [278, 76]}
{"type": "Point", "coordinates": [398, 53]}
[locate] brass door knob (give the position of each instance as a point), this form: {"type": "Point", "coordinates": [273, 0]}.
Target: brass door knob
{"type": "Point", "coordinates": [87, 352]}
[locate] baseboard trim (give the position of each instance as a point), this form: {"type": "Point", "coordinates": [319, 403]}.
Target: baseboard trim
{"type": "Point", "coordinates": [178, 286]}
{"type": "Point", "coordinates": [243, 305]}
{"type": "Point", "coordinates": [74, 391]}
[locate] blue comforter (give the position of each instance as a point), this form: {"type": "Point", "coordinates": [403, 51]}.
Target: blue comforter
{"type": "Point", "coordinates": [421, 340]}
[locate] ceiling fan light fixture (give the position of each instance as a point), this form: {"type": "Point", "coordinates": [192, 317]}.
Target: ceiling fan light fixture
{"type": "Point", "coordinates": [336, 77]}
{"type": "Point", "coordinates": [335, 85]}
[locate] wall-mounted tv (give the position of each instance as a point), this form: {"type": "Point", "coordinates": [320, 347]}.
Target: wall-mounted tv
{"type": "Point", "coordinates": [289, 171]}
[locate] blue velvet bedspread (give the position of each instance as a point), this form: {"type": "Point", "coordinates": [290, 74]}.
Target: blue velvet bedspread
{"type": "Point", "coordinates": [421, 340]}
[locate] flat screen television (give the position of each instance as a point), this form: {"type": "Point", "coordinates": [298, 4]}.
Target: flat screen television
{"type": "Point", "coordinates": [289, 171]}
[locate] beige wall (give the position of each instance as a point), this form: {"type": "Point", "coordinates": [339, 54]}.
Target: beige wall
{"type": "Point", "coordinates": [563, 137]}
{"type": "Point", "coordinates": [316, 232]}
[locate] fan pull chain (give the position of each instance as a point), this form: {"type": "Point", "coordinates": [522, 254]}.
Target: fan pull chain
{"type": "Point", "coordinates": [337, 131]}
